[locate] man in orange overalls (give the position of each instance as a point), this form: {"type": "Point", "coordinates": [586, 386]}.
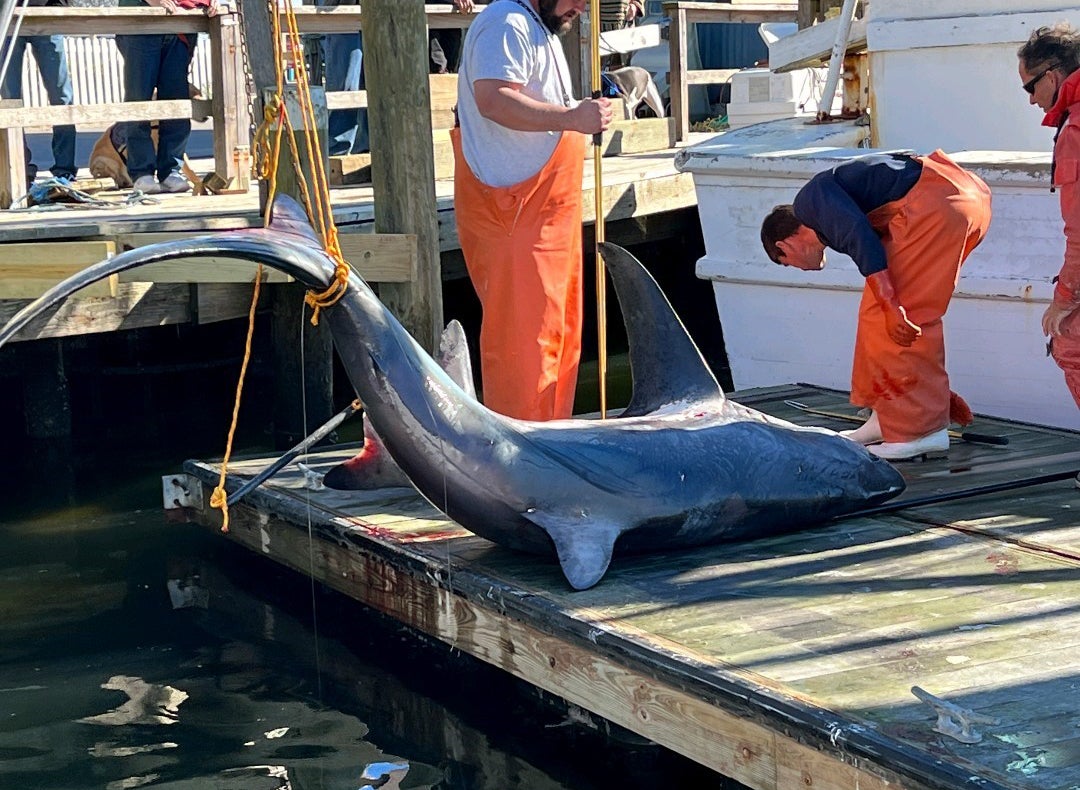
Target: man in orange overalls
{"type": "Point", "coordinates": [519, 156]}
{"type": "Point", "coordinates": [909, 223]}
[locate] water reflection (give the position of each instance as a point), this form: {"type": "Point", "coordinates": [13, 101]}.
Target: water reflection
{"type": "Point", "coordinates": [135, 653]}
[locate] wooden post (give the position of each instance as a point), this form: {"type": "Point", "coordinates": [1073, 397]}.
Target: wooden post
{"type": "Point", "coordinates": [229, 103]}
{"type": "Point", "coordinates": [303, 354]}
{"type": "Point", "coordinates": [287, 183]}
{"type": "Point", "coordinates": [12, 160]}
{"type": "Point", "coordinates": [402, 166]}
{"type": "Point", "coordinates": [677, 86]}
{"type": "Point", "coordinates": [47, 408]}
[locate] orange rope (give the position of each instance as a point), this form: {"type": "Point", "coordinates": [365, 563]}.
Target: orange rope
{"type": "Point", "coordinates": [267, 152]}
{"type": "Point", "coordinates": [219, 498]}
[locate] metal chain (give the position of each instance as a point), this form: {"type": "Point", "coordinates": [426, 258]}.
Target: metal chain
{"type": "Point", "coordinates": [249, 77]}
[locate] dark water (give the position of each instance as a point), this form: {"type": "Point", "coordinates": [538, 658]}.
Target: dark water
{"type": "Point", "coordinates": [265, 682]}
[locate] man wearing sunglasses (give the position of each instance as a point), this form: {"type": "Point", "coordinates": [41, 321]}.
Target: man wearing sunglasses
{"type": "Point", "coordinates": [1049, 66]}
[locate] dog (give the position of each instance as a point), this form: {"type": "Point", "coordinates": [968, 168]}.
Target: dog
{"type": "Point", "coordinates": [108, 158]}
{"type": "Point", "coordinates": [635, 85]}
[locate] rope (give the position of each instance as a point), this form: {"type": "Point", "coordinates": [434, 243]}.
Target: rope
{"type": "Point", "coordinates": [218, 498]}
{"type": "Point", "coordinates": [267, 151]}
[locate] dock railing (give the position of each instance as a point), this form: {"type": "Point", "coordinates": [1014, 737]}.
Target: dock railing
{"type": "Point", "coordinates": [228, 104]}
{"type": "Point", "coordinates": [683, 14]}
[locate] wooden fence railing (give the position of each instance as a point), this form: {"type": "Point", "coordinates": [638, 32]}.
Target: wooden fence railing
{"type": "Point", "coordinates": [682, 15]}
{"type": "Point", "coordinates": [224, 78]}
{"type": "Point", "coordinates": [98, 104]}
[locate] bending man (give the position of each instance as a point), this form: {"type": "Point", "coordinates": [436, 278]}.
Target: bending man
{"type": "Point", "coordinates": [519, 156]}
{"type": "Point", "coordinates": [909, 223]}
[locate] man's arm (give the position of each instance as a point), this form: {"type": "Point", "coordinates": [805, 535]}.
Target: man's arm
{"type": "Point", "coordinates": [505, 104]}
{"type": "Point", "coordinates": [823, 204]}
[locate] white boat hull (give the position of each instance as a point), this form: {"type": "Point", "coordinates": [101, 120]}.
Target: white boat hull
{"type": "Point", "coordinates": [783, 325]}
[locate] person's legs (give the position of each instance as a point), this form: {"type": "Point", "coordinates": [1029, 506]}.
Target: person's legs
{"type": "Point", "coordinates": [448, 43]}
{"type": "Point", "coordinates": [12, 89]}
{"type": "Point", "coordinates": [52, 63]}
{"type": "Point", "coordinates": [172, 83]}
{"type": "Point", "coordinates": [347, 129]}
{"type": "Point", "coordinates": [142, 63]}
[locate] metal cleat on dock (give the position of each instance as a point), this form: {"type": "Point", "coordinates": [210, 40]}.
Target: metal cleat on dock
{"type": "Point", "coordinates": [954, 721]}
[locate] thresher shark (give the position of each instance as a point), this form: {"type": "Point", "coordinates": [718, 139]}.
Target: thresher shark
{"type": "Point", "coordinates": [681, 466]}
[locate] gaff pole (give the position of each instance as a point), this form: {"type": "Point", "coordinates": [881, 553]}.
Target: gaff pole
{"type": "Point", "coordinates": [598, 201]}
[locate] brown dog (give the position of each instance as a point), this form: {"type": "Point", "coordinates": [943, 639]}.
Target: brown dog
{"type": "Point", "coordinates": [108, 159]}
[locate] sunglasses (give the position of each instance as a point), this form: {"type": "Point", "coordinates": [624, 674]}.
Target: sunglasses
{"type": "Point", "coordinates": [1029, 86]}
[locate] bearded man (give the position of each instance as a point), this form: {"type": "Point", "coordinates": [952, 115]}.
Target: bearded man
{"type": "Point", "coordinates": [519, 155]}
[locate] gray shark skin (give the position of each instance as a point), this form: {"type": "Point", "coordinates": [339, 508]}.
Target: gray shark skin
{"type": "Point", "coordinates": [682, 466]}
{"type": "Point", "coordinates": [373, 467]}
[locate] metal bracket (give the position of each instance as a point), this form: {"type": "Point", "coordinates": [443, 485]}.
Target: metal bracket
{"type": "Point", "coordinates": [181, 491]}
{"type": "Point", "coordinates": [954, 721]}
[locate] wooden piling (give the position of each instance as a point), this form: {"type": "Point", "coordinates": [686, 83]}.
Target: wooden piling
{"type": "Point", "coordinates": [403, 171]}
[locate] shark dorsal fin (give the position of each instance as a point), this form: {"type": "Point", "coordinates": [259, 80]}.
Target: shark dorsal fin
{"type": "Point", "coordinates": [288, 216]}
{"type": "Point", "coordinates": [666, 363]}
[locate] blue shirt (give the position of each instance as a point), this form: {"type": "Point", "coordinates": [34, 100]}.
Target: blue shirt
{"type": "Point", "coordinates": [835, 204]}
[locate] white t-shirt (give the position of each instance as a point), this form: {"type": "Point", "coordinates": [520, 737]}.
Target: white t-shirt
{"type": "Point", "coordinates": [507, 42]}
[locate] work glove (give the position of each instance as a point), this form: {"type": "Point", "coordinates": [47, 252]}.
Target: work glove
{"type": "Point", "coordinates": [899, 328]}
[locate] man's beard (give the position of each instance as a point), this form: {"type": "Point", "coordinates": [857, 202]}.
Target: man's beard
{"type": "Point", "coordinates": [559, 25]}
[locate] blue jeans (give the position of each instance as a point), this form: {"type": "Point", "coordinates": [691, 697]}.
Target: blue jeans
{"type": "Point", "coordinates": [344, 55]}
{"type": "Point", "coordinates": [49, 54]}
{"type": "Point", "coordinates": [160, 62]}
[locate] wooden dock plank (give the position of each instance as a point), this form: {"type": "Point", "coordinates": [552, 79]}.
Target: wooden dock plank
{"type": "Point", "coordinates": [669, 715]}
{"type": "Point", "coordinates": [773, 661]}
{"type": "Point", "coordinates": [28, 270]}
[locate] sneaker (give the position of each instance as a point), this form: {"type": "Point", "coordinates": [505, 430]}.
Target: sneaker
{"type": "Point", "coordinates": [174, 182]}
{"type": "Point", "coordinates": [933, 445]}
{"type": "Point", "coordinates": [148, 185]}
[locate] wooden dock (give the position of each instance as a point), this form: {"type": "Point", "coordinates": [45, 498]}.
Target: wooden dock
{"type": "Point", "coordinates": [642, 196]}
{"type": "Point", "coordinates": [784, 662]}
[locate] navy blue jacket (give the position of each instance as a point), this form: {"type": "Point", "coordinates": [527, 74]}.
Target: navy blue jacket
{"type": "Point", "coordinates": [835, 204]}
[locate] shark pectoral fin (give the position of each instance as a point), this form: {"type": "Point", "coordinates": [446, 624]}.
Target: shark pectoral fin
{"type": "Point", "coordinates": [584, 547]}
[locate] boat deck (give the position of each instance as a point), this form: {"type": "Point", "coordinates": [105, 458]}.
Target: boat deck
{"type": "Point", "coordinates": [783, 662]}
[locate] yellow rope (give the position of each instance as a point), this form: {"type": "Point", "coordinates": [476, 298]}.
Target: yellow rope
{"type": "Point", "coordinates": [267, 151]}
{"type": "Point", "coordinates": [219, 498]}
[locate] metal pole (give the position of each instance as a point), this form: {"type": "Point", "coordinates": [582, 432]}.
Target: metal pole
{"type": "Point", "coordinates": [287, 458]}
{"type": "Point", "coordinates": [6, 12]}
{"type": "Point", "coordinates": [836, 61]}
{"type": "Point", "coordinates": [935, 499]}
{"type": "Point", "coordinates": [598, 200]}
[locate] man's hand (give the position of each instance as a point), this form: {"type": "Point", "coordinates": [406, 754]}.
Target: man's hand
{"type": "Point", "coordinates": [1055, 316]}
{"type": "Point", "coordinates": [900, 329]}
{"type": "Point", "coordinates": [463, 6]}
{"type": "Point", "coordinates": [592, 115]}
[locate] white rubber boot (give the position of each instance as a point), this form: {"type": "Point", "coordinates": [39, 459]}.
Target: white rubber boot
{"type": "Point", "coordinates": [933, 445]}
{"type": "Point", "coordinates": [867, 433]}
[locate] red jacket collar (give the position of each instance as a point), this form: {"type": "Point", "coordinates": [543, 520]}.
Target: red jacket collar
{"type": "Point", "coordinates": [1068, 95]}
